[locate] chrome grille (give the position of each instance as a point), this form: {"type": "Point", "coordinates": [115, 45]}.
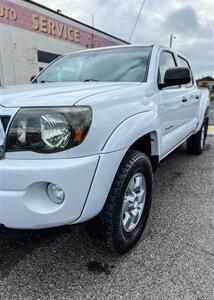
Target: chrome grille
{"type": "Point", "coordinates": [6, 115]}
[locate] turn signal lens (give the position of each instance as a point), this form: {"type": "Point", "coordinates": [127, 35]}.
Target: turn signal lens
{"type": "Point", "coordinates": [78, 134]}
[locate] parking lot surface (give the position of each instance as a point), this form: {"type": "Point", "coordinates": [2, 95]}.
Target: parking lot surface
{"type": "Point", "coordinates": [174, 259]}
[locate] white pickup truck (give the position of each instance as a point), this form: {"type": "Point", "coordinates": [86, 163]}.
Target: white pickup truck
{"type": "Point", "coordinates": [80, 142]}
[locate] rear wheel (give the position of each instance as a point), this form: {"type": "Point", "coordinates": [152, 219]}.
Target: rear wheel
{"type": "Point", "coordinates": [196, 143]}
{"type": "Point", "coordinates": [126, 211]}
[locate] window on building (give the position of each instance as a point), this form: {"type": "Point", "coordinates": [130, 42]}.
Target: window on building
{"type": "Point", "coordinates": [44, 58]}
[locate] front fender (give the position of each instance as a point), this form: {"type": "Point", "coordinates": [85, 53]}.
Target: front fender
{"type": "Point", "coordinates": [130, 130]}
{"type": "Point", "coordinates": [113, 152]}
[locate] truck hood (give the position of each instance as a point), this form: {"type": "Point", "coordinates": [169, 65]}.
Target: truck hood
{"type": "Point", "coordinates": [54, 94]}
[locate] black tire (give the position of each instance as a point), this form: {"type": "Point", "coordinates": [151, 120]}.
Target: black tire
{"type": "Point", "coordinates": [195, 145]}
{"type": "Point", "coordinates": [108, 224]}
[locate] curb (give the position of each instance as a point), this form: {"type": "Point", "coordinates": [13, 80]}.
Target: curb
{"type": "Point", "coordinates": [211, 130]}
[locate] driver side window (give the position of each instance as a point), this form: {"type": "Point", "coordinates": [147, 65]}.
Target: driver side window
{"type": "Point", "coordinates": [166, 61]}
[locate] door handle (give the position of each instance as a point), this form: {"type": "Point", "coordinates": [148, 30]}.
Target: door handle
{"type": "Point", "coordinates": [184, 99]}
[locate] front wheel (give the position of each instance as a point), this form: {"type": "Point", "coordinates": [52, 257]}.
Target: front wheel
{"type": "Point", "coordinates": [196, 142]}
{"type": "Point", "coordinates": [126, 211]}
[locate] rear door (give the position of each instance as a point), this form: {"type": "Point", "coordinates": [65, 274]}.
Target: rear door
{"type": "Point", "coordinates": [192, 97]}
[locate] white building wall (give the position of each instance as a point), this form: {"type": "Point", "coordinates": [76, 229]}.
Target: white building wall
{"type": "Point", "coordinates": [19, 43]}
{"type": "Point", "coordinates": [18, 53]}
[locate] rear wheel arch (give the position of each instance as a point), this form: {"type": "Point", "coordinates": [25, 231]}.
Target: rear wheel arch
{"type": "Point", "coordinates": [203, 115]}
{"type": "Point", "coordinates": [196, 142]}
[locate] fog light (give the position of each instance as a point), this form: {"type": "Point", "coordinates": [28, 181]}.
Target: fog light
{"type": "Point", "coordinates": [55, 193]}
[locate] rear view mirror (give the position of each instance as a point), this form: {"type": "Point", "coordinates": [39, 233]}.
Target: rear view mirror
{"type": "Point", "coordinates": [177, 76]}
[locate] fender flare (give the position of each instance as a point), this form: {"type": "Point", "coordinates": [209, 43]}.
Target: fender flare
{"type": "Point", "coordinates": [203, 110]}
{"type": "Point", "coordinates": [132, 129]}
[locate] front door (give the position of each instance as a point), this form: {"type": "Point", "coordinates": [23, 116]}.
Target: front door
{"type": "Point", "coordinates": [171, 107]}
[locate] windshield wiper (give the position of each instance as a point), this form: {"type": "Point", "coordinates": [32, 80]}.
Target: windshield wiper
{"type": "Point", "coordinates": [90, 79]}
{"type": "Point", "coordinates": [46, 81]}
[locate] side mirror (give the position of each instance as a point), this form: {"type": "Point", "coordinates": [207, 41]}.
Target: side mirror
{"type": "Point", "coordinates": [177, 76]}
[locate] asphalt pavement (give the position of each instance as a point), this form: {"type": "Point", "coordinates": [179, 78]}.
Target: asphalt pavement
{"type": "Point", "coordinates": [174, 259]}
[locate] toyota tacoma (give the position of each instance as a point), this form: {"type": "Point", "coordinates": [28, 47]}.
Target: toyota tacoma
{"type": "Point", "coordinates": [81, 142]}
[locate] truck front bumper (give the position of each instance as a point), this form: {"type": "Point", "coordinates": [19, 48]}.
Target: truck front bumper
{"type": "Point", "coordinates": [24, 202]}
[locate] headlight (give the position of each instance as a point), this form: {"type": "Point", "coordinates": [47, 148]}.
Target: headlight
{"type": "Point", "coordinates": [46, 130]}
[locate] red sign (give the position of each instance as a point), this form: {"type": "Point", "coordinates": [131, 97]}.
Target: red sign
{"type": "Point", "coordinates": [20, 16]}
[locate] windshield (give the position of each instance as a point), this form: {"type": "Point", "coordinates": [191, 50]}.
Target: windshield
{"type": "Point", "coordinates": [111, 65]}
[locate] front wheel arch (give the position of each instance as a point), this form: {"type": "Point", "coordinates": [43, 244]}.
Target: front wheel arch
{"type": "Point", "coordinates": [107, 226]}
{"type": "Point", "coordinates": [131, 130]}
{"type": "Point", "coordinates": [108, 166]}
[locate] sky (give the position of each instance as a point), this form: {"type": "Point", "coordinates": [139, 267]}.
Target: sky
{"type": "Point", "coordinates": [191, 22]}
